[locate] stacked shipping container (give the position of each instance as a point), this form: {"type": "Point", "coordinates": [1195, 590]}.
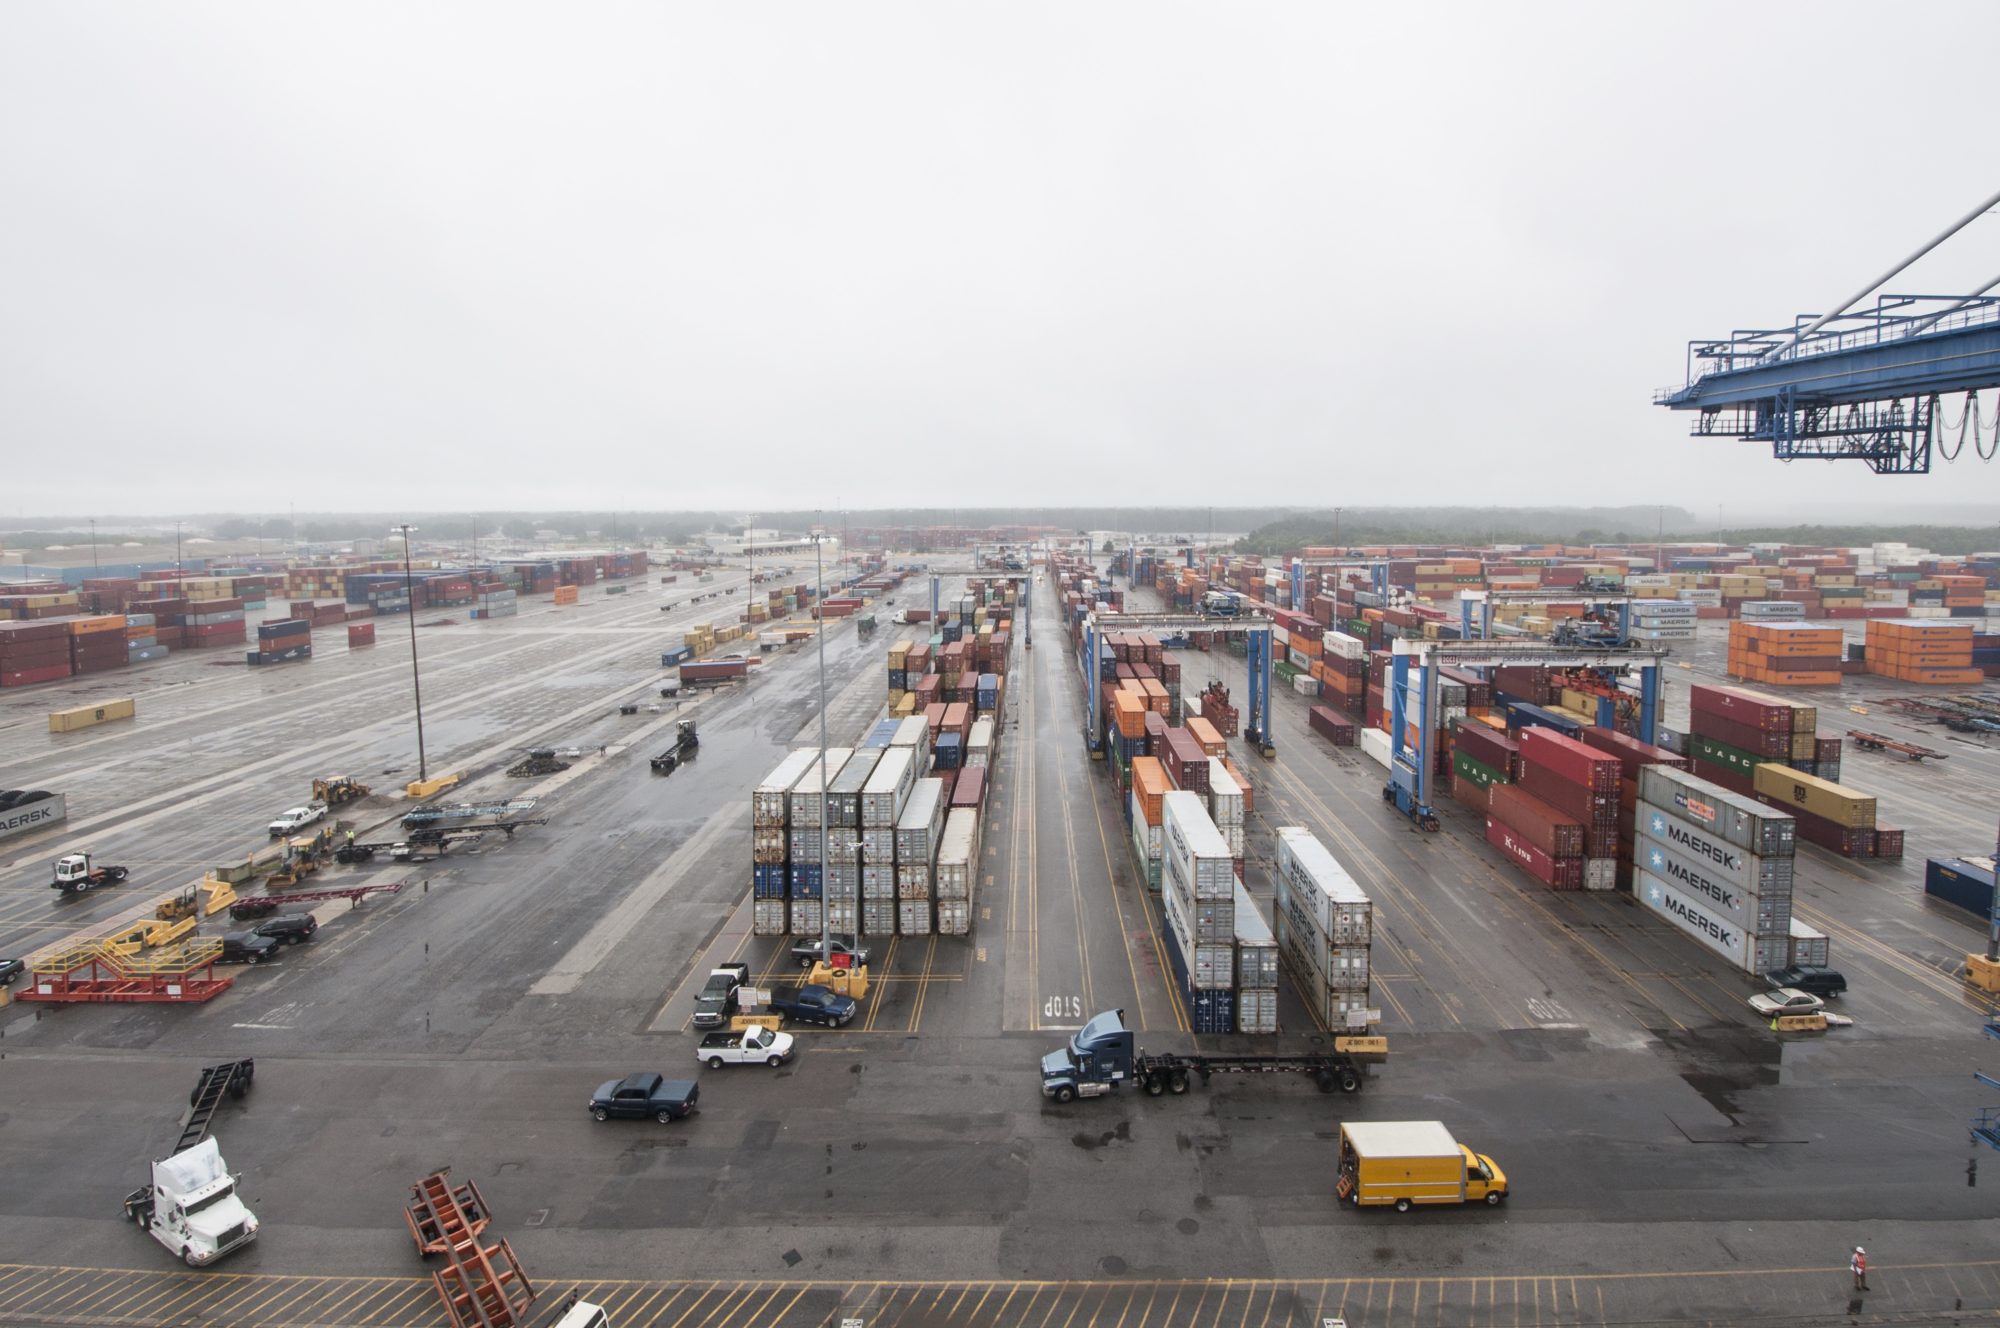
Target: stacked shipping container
{"type": "Point", "coordinates": [1716, 864]}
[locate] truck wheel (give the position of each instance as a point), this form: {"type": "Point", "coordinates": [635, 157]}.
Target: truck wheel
{"type": "Point", "coordinates": [715, 1062]}
{"type": "Point", "coordinates": [187, 1257]}
{"type": "Point", "coordinates": [667, 1117]}
{"type": "Point", "coordinates": [1493, 1197]}
{"type": "Point", "coordinates": [1327, 1083]}
{"type": "Point", "coordinates": [1065, 1094]}
{"type": "Point", "coordinates": [1350, 1082]}
{"type": "Point", "coordinates": [774, 1061]}
{"type": "Point", "coordinates": [1402, 1205]}
{"type": "Point", "coordinates": [1177, 1083]}
{"type": "Point", "coordinates": [1155, 1085]}
{"type": "Point", "coordinates": [599, 1113]}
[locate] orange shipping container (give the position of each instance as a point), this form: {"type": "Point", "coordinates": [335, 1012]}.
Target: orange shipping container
{"type": "Point", "coordinates": [1150, 785]}
{"type": "Point", "coordinates": [1205, 734]}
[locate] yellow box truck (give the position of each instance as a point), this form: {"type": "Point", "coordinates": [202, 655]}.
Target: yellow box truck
{"type": "Point", "coordinates": [1413, 1162]}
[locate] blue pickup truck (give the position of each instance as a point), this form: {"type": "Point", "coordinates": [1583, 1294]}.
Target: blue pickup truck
{"type": "Point", "coordinates": [813, 1004]}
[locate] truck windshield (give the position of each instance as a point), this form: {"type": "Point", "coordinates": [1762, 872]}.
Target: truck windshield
{"type": "Point", "coordinates": [210, 1200]}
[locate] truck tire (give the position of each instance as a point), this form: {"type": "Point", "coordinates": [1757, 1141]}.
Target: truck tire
{"type": "Point", "coordinates": [774, 1061]}
{"type": "Point", "coordinates": [666, 1117]}
{"type": "Point", "coordinates": [1065, 1095]}
{"type": "Point", "coordinates": [1350, 1082]}
{"type": "Point", "coordinates": [599, 1114]}
{"type": "Point", "coordinates": [1156, 1084]}
{"type": "Point", "coordinates": [1177, 1082]}
{"type": "Point", "coordinates": [1326, 1081]}
{"type": "Point", "coordinates": [187, 1257]}
{"type": "Point", "coordinates": [715, 1062]}
{"type": "Point", "coordinates": [1493, 1197]}
{"type": "Point", "coordinates": [1402, 1205]}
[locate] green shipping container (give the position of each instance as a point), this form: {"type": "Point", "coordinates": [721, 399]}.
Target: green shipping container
{"type": "Point", "coordinates": [1477, 771]}
{"type": "Point", "coordinates": [1733, 759]}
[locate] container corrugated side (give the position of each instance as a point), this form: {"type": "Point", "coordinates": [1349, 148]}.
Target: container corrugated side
{"type": "Point", "coordinates": [1743, 821]}
{"type": "Point", "coordinates": [958, 856]}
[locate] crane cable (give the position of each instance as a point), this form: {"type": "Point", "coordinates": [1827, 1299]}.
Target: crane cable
{"type": "Point", "coordinates": [1970, 422]}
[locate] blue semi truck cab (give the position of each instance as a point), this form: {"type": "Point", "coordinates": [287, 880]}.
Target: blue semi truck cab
{"type": "Point", "coordinates": [1102, 1055]}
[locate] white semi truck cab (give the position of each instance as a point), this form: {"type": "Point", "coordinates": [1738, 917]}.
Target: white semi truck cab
{"type": "Point", "coordinates": [192, 1206]}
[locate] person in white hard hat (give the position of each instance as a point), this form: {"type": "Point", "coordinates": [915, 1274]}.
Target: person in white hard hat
{"type": "Point", "coordinates": [1858, 1265]}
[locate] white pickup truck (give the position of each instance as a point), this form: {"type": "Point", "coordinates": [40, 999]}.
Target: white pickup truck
{"type": "Point", "coordinates": [752, 1046]}
{"type": "Point", "coordinates": [297, 819]}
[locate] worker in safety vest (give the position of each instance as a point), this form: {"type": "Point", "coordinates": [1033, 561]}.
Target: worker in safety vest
{"type": "Point", "coordinates": [1858, 1265]}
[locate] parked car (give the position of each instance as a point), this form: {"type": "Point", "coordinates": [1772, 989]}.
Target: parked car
{"type": "Point", "coordinates": [246, 947]}
{"type": "Point", "coordinates": [291, 929]}
{"type": "Point", "coordinates": [11, 970]}
{"type": "Point", "coordinates": [638, 1096]}
{"type": "Point", "coordinates": [1825, 983]}
{"type": "Point", "coordinates": [1786, 1000]}
{"type": "Point", "coordinates": [814, 1004]}
{"type": "Point", "coordinates": [297, 818]}
{"type": "Point", "coordinates": [807, 951]}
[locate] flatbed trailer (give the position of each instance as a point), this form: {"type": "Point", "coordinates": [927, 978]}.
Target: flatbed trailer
{"type": "Point", "coordinates": [465, 811]}
{"type": "Point", "coordinates": [229, 1079]}
{"type": "Point", "coordinates": [1169, 1072]}
{"type": "Point", "coordinates": [1102, 1055]}
{"type": "Point", "coordinates": [244, 910]}
{"type": "Point", "coordinates": [1881, 742]}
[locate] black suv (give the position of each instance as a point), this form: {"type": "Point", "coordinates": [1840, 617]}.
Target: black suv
{"type": "Point", "coordinates": [1825, 983]}
{"type": "Point", "coordinates": [11, 969]}
{"type": "Point", "coordinates": [291, 929]}
{"type": "Point", "coordinates": [246, 947]}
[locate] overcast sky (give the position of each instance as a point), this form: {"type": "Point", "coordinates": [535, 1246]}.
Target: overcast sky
{"type": "Point", "coordinates": [740, 256]}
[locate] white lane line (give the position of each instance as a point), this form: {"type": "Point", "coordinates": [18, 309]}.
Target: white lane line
{"type": "Point", "coordinates": [569, 971]}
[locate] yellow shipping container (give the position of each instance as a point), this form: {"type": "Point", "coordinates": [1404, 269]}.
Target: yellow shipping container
{"type": "Point", "coordinates": [1822, 797]}
{"type": "Point", "coordinates": [83, 717]}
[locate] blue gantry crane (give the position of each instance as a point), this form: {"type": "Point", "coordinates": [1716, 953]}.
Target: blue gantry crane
{"type": "Point", "coordinates": [1865, 386]}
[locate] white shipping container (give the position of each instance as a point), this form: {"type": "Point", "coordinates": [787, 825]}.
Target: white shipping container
{"type": "Point", "coordinates": [913, 880]}
{"type": "Point", "coordinates": [843, 795]}
{"type": "Point", "coordinates": [878, 917]}
{"type": "Point", "coordinates": [1225, 796]}
{"type": "Point", "coordinates": [1693, 916]}
{"type": "Point", "coordinates": [768, 803]}
{"type": "Point", "coordinates": [1342, 646]}
{"type": "Point", "coordinates": [878, 845]}
{"type": "Point", "coordinates": [1347, 967]}
{"type": "Point", "coordinates": [878, 881]}
{"type": "Point", "coordinates": [1211, 964]}
{"type": "Point", "coordinates": [1806, 946]}
{"type": "Point", "coordinates": [954, 917]}
{"type": "Point", "coordinates": [1145, 838]}
{"type": "Point", "coordinates": [913, 917]}
{"type": "Point", "coordinates": [922, 821]}
{"type": "Point", "coordinates": [958, 856]}
{"type": "Point", "coordinates": [1600, 873]}
{"type": "Point", "coordinates": [1194, 856]}
{"type": "Point", "coordinates": [842, 917]}
{"type": "Point", "coordinates": [1375, 746]}
{"type": "Point", "coordinates": [1234, 837]}
{"type": "Point", "coordinates": [888, 789]}
{"type": "Point", "coordinates": [979, 746]}
{"type": "Point", "coordinates": [767, 917]}
{"type": "Point", "coordinates": [1256, 947]}
{"type": "Point", "coordinates": [1256, 1010]}
{"type": "Point", "coordinates": [806, 917]}
{"type": "Point", "coordinates": [913, 732]}
{"type": "Point", "coordinates": [1337, 907]}
{"type": "Point", "coordinates": [767, 841]}
{"type": "Point", "coordinates": [808, 793]}
{"type": "Point", "coordinates": [1300, 948]}
{"type": "Point", "coordinates": [805, 845]}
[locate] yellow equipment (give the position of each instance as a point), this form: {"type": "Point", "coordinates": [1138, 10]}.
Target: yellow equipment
{"type": "Point", "coordinates": [173, 907]}
{"type": "Point", "coordinates": [1982, 972]}
{"type": "Point", "coordinates": [221, 894]}
{"type": "Point", "coordinates": [844, 981]}
{"type": "Point", "coordinates": [425, 788]}
{"type": "Point", "coordinates": [336, 789]}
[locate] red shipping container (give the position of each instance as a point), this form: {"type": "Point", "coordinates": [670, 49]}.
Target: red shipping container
{"type": "Point", "coordinates": [1569, 758]}
{"type": "Point", "coordinates": [1723, 775]}
{"type": "Point", "coordinates": [28, 677]}
{"type": "Point", "coordinates": [360, 634]}
{"type": "Point", "coordinates": [1742, 706]}
{"type": "Point", "coordinates": [1888, 843]}
{"type": "Point", "coordinates": [1535, 821]}
{"type": "Point", "coordinates": [1489, 747]}
{"type": "Point", "coordinates": [1556, 873]}
{"type": "Point", "coordinates": [1472, 794]}
{"type": "Point", "coordinates": [1571, 799]}
{"type": "Point", "coordinates": [970, 790]}
{"type": "Point", "coordinates": [1744, 737]}
{"type": "Point", "coordinates": [1335, 728]}
{"type": "Point", "coordinates": [1631, 753]}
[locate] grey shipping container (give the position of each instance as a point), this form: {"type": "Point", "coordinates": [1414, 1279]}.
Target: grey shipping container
{"type": "Point", "coordinates": [1753, 912]}
{"type": "Point", "coordinates": [768, 802]}
{"type": "Point", "coordinates": [1726, 861]}
{"type": "Point", "coordinates": [1742, 821]}
{"type": "Point", "coordinates": [958, 857]}
{"type": "Point", "coordinates": [843, 796]}
{"type": "Point", "coordinates": [922, 822]}
{"type": "Point", "coordinates": [1256, 949]}
{"type": "Point", "coordinates": [36, 815]}
{"type": "Point", "coordinates": [806, 794]}
{"type": "Point", "coordinates": [767, 917]}
{"type": "Point", "coordinates": [913, 917]}
{"type": "Point", "coordinates": [882, 798]}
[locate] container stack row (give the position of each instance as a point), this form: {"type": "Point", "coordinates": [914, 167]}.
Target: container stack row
{"type": "Point", "coordinates": [1198, 890]}
{"type": "Point", "coordinates": [1559, 823]}
{"type": "Point", "coordinates": [1765, 748]}
{"type": "Point", "coordinates": [1922, 651]}
{"type": "Point", "coordinates": [1324, 929]}
{"type": "Point", "coordinates": [1787, 654]}
{"type": "Point", "coordinates": [1718, 865]}
{"type": "Point", "coordinates": [282, 641]}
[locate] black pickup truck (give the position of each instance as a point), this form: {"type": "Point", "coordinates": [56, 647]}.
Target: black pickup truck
{"type": "Point", "coordinates": [718, 996]}
{"type": "Point", "coordinates": [637, 1096]}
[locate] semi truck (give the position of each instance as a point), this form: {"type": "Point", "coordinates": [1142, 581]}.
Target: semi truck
{"type": "Point", "coordinates": [192, 1207]}
{"type": "Point", "coordinates": [1405, 1163]}
{"type": "Point", "coordinates": [1102, 1055]}
{"type": "Point", "coordinates": [75, 873]}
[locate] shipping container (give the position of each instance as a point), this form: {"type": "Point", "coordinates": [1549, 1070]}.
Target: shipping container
{"type": "Point", "coordinates": [1335, 905]}
{"type": "Point", "coordinates": [957, 866]}
{"type": "Point", "coordinates": [1195, 859]}
{"type": "Point", "coordinates": [1721, 897]}
{"type": "Point", "coordinates": [1816, 796]}
{"type": "Point", "coordinates": [1964, 882]}
{"type": "Point", "coordinates": [1741, 820]}
{"type": "Point", "coordinates": [1738, 867]}
{"type": "Point", "coordinates": [770, 801]}
{"type": "Point", "coordinates": [1695, 917]}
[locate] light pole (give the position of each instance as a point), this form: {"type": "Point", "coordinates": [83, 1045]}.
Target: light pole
{"type": "Point", "coordinates": [416, 682]}
{"type": "Point", "coordinates": [819, 606]}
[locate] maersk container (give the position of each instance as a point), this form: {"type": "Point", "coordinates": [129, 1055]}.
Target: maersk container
{"type": "Point", "coordinates": [1195, 858]}
{"type": "Point", "coordinates": [958, 856]}
{"type": "Point", "coordinates": [1338, 907]}
{"type": "Point", "coordinates": [843, 795]}
{"type": "Point", "coordinates": [1966, 882]}
{"type": "Point", "coordinates": [1256, 947]}
{"type": "Point", "coordinates": [808, 793]}
{"type": "Point", "coordinates": [1741, 820]}
{"type": "Point", "coordinates": [888, 788]}
{"type": "Point", "coordinates": [1747, 871]}
{"type": "Point", "coordinates": [922, 822]}
{"type": "Point", "coordinates": [1694, 916]}
{"type": "Point", "coordinates": [24, 817]}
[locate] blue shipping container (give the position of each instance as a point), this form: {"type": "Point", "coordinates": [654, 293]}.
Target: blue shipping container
{"type": "Point", "coordinates": [1965, 882]}
{"type": "Point", "coordinates": [768, 880]}
{"type": "Point", "coordinates": [1208, 1011]}
{"type": "Point", "coordinates": [882, 734]}
{"type": "Point", "coordinates": [805, 880]}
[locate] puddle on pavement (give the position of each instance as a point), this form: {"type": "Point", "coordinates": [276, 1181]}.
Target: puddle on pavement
{"type": "Point", "coordinates": [1724, 1065]}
